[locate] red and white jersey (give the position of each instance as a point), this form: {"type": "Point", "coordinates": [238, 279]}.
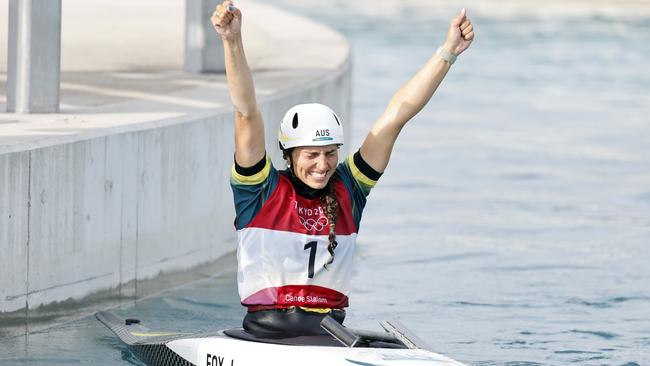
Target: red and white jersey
{"type": "Point", "coordinates": [283, 238]}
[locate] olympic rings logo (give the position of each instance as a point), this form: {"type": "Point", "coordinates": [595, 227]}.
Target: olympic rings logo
{"type": "Point", "coordinates": [314, 225]}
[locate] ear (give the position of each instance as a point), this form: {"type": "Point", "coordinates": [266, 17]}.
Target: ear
{"type": "Point", "coordinates": [287, 155]}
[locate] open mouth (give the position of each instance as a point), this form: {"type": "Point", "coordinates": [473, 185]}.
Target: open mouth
{"type": "Point", "coordinates": [318, 175]}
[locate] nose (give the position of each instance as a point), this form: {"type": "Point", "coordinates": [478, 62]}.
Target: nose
{"type": "Point", "coordinates": [321, 162]}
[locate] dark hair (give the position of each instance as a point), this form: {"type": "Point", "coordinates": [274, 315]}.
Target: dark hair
{"type": "Point", "coordinates": [331, 204]}
{"type": "Point", "coordinates": [286, 155]}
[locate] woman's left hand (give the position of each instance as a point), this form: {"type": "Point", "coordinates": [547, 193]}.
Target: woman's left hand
{"type": "Point", "coordinates": [460, 34]}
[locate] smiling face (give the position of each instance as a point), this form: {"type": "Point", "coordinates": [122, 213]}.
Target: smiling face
{"type": "Point", "coordinates": [315, 165]}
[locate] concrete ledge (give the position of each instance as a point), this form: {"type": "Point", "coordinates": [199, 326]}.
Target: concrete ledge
{"type": "Point", "coordinates": [19, 323]}
{"type": "Point", "coordinates": [131, 179]}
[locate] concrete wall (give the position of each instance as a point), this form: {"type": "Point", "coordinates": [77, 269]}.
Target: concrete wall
{"type": "Point", "coordinates": [105, 209]}
{"type": "Point", "coordinates": [14, 218]}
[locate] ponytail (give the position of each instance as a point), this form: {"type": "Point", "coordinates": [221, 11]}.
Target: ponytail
{"type": "Point", "coordinates": [331, 205]}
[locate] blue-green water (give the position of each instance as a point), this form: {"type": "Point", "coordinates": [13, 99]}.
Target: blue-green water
{"type": "Point", "coordinates": [512, 226]}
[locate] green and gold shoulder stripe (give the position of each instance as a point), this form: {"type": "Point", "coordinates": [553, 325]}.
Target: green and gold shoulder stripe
{"type": "Point", "coordinates": [362, 173]}
{"type": "Point", "coordinates": [260, 176]}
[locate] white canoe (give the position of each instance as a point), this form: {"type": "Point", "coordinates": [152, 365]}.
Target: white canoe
{"type": "Point", "coordinates": [235, 347]}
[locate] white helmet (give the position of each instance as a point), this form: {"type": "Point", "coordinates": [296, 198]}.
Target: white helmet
{"type": "Point", "coordinates": [310, 124]}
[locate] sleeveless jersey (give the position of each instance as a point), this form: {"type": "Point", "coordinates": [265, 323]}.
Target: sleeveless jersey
{"type": "Point", "coordinates": [283, 238]}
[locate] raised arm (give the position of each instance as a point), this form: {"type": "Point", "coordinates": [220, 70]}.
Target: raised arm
{"type": "Point", "coordinates": [415, 94]}
{"type": "Point", "coordinates": [249, 125]}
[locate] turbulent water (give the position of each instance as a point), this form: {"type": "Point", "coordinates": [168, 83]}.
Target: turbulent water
{"type": "Point", "coordinates": [512, 226]}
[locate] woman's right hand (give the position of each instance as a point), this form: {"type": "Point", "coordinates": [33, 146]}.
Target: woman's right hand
{"type": "Point", "coordinates": [226, 19]}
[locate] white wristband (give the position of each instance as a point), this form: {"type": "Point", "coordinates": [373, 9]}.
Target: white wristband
{"type": "Point", "coordinates": [446, 55]}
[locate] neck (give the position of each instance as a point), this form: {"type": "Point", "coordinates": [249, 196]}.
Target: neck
{"type": "Point", "coordinates": [303, 189]}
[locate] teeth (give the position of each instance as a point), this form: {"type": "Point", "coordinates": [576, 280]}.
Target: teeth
{"type": "Point", "coordinates": [318, 175]}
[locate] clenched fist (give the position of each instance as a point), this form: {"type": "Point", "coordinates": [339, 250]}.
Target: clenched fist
{"type": "Point", "coordinates": [460, 34]}
{"type": "Point", "coordinates": [226, 19]}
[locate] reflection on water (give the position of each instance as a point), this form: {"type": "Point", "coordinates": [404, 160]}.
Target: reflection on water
{"type": "Point", "coordinates": [513, 224]}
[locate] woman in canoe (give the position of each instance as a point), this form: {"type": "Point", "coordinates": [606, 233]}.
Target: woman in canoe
{"type": "Point", "coordinates": [296, 228]}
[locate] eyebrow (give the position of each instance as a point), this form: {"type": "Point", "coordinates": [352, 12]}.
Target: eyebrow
{"type": "Point", "coordinates": [318, 151]}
